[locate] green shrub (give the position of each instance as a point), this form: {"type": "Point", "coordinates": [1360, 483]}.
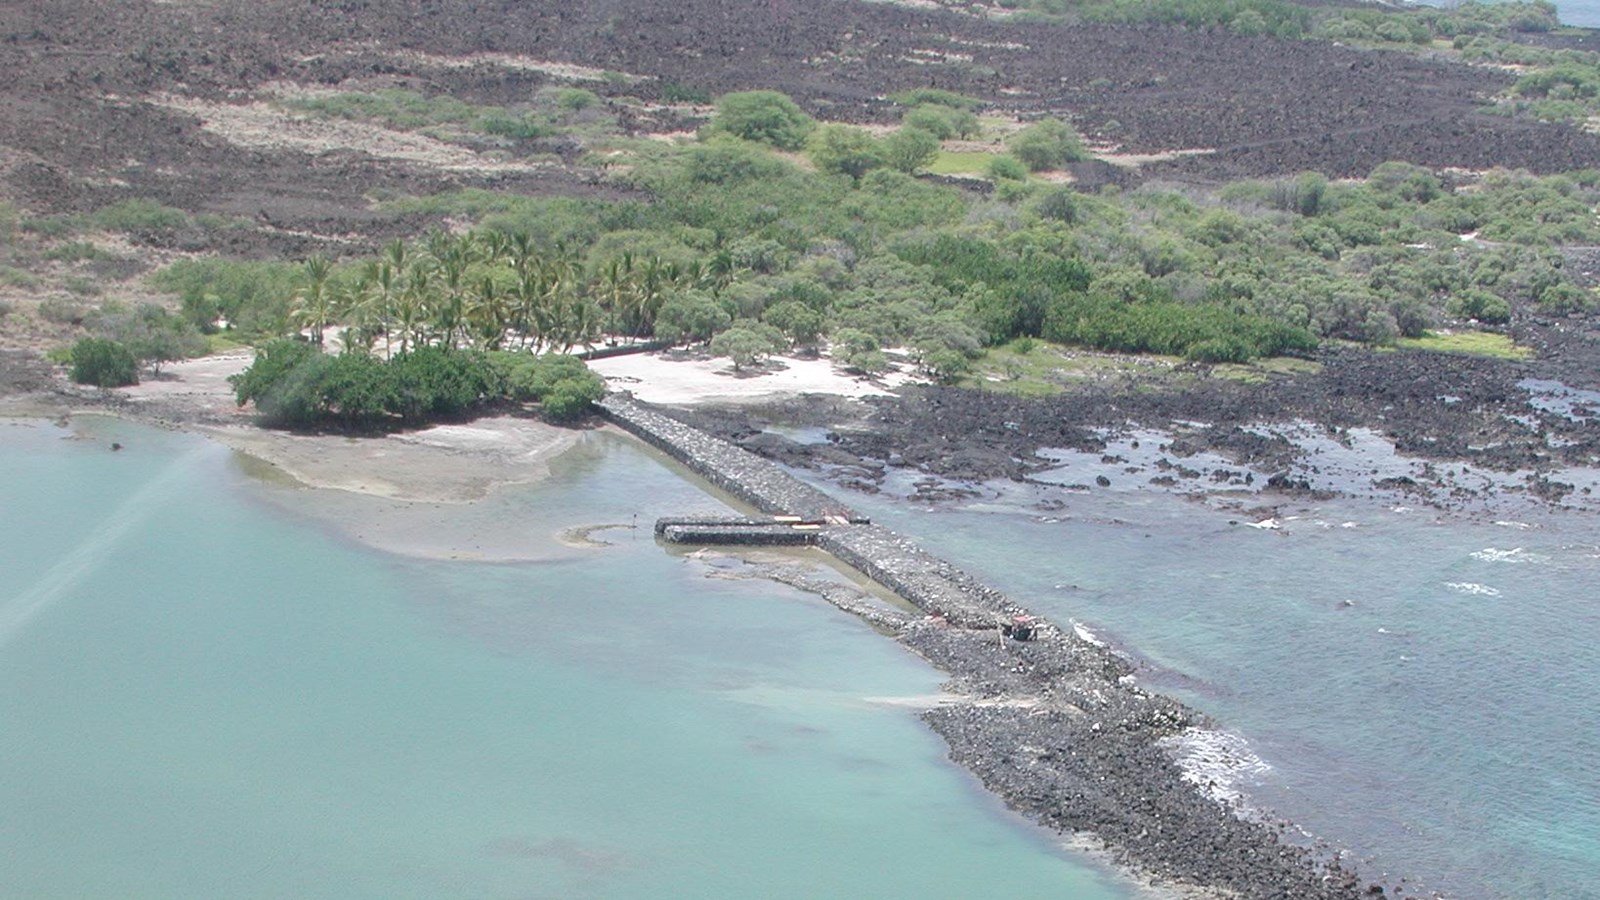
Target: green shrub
{"type": "Point", "coordinates": [152, 334]}
{"type": "Point", "coordinates": [254, 297]}
{"type": "Point", "coordinates": [1480, 305]}
{"type": "Point", "coordinates": [140, 215]}
{"type": "Point", "coordinates": [57, 226]}
{"type": "Point", "coordinates": [103, 363]}
{"type": "Point", "coordinates": [766, 117]}
{"type": "Point", "coordinates": [935, 97]}
{"type": "Point", "coordinates": [1209, 332]}
{"type": "Point", "coordinates": [673, 92]}
{"type": "Point", "coordinates": [1007, 168]}
{"type": "Point", "coordinates": [432, 383]}
{"type": "Point", "coordinates": [295, 385]}
{"type": "Point", "coordinates": [747, 343]}
{"type": "Point", "coordinates": [1227, 349]}
{"type": "Point", "coordinates": [75, 251]}
{"type": "Point", "coordinates": [577, 99]}
{"type": "Point", "coordinates": [1047, 144]}
{"type": "Point", "coordinates": [726, 160]}
{"type": "Point", "coordinates": [562, 385]}
{"type": "Point", "coordinates": [507, 125]}
{"type": "Point", "coordinates": [943, 122]}
{"type": "Point", "coordinates": [1565, 297]}
{"type": "Point", "coordinates": [845, 150]}
{"type": "Point", "coordinates": [570, 399]}
{"type": "Point", "coordinates": [909, 149]}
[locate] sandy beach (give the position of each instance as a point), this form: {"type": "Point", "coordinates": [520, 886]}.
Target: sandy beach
{"type": "Point", "coordinates": [465, 462]}
{"type": "Point", "coordinates": [676, 379]}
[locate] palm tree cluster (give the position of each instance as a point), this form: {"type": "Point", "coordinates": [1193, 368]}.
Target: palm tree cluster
{"type": "Point", "coordinates": [493, 291]}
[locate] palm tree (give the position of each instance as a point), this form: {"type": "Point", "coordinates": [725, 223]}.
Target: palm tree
{"type": "Point", "coordinates": [314, 305]}
{"type": "Point", "coordinates": [720, 272]}
{"type": "Point", "coordinates": [411, 306]}
{"type": "Point", "coordinates": [529, 298]}
{"type": "Point", "coordinates": [381, 287]}
{"type": "Point", "coordinates": [651, 292]}
{"type": "Point", "coordinates": [451, 258]}
{"type": "Point", "coordinates": [495, 245]}
{"type": "Point", "coordinates": [617, 290]}
{"type": "Point", "coordinates": [450, 307]}
{"type": "Point", "coordinates": [489, 312]}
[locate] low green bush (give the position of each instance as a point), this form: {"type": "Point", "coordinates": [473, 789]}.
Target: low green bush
{"type": "Point", "coordinates": [1047, 144]}
{"type": "Point", "coordinates": [140, 215]}
{"type": "Point", "coordinates": [295, 385]}
{"type": "Point", "coordinates": [103, 363]}
{"type": "Point", "coordinates": [766, 117]}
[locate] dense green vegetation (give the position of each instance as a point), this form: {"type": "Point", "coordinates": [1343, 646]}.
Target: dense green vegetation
{"type": "Point", "coordinates": [563, 110]}
{"type": "Point", "coordinates": [103, 363]}
{"type": "Point", "coordinates": [739, 247]}
{"type": "Point", "coordinates": [295, 385]}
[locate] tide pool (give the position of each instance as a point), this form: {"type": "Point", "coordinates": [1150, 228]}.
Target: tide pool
{"type": "Point", "coordinates": [207, 689]}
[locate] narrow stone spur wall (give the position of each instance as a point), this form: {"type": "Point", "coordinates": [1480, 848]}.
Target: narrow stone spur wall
{"type": "Point", "coordinates": [1055, 724]}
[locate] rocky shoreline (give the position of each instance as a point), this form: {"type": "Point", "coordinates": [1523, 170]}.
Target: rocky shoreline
{"type": "Point", "coordinates": [1054, 723]}
{"type": "Point", "coordinates": [1056, 726]}
{"type": "Point", "coordinates": [1453, 414]}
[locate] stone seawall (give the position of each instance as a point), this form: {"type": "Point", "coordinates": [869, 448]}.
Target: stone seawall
{"type": "Point", "coordinates": [929, 583]}
{"type": "Point", "coordinates": [739, 472]}
{"type": "Point", "coordinates": [1055, 725]}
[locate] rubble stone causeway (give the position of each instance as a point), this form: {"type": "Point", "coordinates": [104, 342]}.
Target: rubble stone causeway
{"type": "Point", "coordinates": [1054, 724]}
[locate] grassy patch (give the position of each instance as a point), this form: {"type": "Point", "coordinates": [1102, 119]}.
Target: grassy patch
{"type": "Point", "coordinates": [140, 215]}
{"type": "Point", "coordinates": [1263, 370]}
{"type": "Point", "coordinates": [1477, 343]}
{"type": "Point", "coordinates": [442, 116]}
{"type": "Point", "coordinates": [218, 343]}
{"type": "Point", "coordinates": [1033, 368]}
{"type": "Point", "coordinates": [961, 162]}
{"type": "Point", "coordinates": [17, 278]}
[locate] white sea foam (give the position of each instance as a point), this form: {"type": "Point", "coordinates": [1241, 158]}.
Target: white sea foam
{"type": "Point", "coordinates": [1514, 555]}
{"type": "Point", "coordinates": [1270, 524]}
{"type": "Point", "coordinates": [1220, 763]}
{"type": "Point", "coordinates": [1085, 635]}
{"type": "Point", "coordinates": [1468, 587]}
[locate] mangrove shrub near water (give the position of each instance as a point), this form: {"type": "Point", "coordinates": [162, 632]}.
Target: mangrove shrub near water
{"type": "Point", "coordinates": [295, 385]}
{"type": "Point", "coordinates": [103, 363]}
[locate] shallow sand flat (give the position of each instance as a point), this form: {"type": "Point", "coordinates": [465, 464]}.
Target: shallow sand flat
{"type": "Point", "coordinates": [461, 463]}
{"type": "Point", "coordinates": [447, 464]}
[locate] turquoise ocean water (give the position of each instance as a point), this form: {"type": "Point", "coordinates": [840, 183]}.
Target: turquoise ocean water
{"type": "Point", "coordinates": [1583, 13]}
{"type": "Point", "coordinates": [207, 691]}
{"type": "Point", "coordinates": [1417, 689]}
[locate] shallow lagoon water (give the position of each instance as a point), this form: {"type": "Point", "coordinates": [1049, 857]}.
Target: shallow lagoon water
{"type": "Point", "coordinates": [1417, 688]}
{"type": "Point", "coordinates": [208, 688]}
